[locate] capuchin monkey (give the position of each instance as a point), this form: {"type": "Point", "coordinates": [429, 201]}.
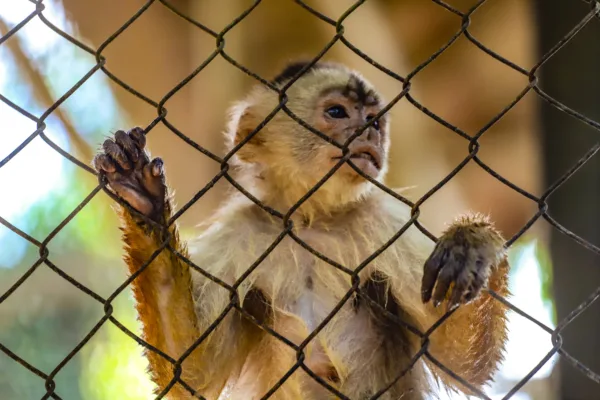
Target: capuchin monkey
{"type": "Point", "coordinates": [368, 344]}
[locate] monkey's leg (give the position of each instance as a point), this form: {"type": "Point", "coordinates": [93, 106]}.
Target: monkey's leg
{"type": "Point", "coordinates": [162, 291]}
{"type": "Point", "coordinates": [468, 257]}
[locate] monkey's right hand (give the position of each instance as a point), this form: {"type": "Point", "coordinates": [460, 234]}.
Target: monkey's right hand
{"type": "Point", "coordinates": [131, 174]}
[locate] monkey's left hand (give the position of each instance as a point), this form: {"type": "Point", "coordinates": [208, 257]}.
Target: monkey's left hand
{"type": "Point", "coordinates": [464, 257]}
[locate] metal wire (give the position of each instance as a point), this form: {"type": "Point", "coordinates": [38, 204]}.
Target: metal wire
{"type": "Point", "coordinates": [287, 224]}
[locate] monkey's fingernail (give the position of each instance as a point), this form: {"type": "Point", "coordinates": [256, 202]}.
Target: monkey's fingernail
{"type": "Point", "coordinates": [436, 303]}
{"type": "Point", "coordinates": [137, 134]}
{"type": "Point", "coordinates": [468, 296]}
{"type": "Point", "coordinates": [425, 296]}
{"type": "Point", "coordinates": [157, 168]}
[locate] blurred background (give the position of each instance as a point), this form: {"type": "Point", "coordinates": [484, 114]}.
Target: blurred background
{"type": "Point", "coordinates": [531, 146]}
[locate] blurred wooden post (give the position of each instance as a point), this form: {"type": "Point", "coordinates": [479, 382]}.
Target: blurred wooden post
{"type": "Point", "coordinates": [572, 78]}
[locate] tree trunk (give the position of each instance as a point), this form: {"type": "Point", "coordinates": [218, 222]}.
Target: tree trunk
{"type": "Point", "coordinates": [571, 77]}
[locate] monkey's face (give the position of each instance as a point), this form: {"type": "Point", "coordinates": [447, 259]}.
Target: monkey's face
{"type": "Point", "coordinates": [335, 101]}
{"type": "Point", "coordinates": [340, 113]}
{"type": "Point", "coordinates": [338, 103]}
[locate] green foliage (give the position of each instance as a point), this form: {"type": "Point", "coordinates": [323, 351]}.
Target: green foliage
{"type": "Point", "coordinates": [42, 342]}
{"type": "Point", "coordinates": [92, 225]}
{"type": "Point", "coordinates": [113, 365]}
{"type": "Point", "coordinates": [45, 338]}
{"type": "Point", "coordinates": [546, 272]}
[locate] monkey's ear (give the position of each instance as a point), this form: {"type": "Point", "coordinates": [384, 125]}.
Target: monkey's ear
{"type": "Point", "coordinates": [243, 123]}
{"type": "Point", "coordinates": [245, 127]}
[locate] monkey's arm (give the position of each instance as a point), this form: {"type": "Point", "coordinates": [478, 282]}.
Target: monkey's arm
{"type": "Point", "coordinates": [177, 307]}
{"type": "Point", "coordinates": [468, 257]}
{"type": "Point", "coordinates": [162, 291]}
{"type": "Point", "coordinates": [162, 294]}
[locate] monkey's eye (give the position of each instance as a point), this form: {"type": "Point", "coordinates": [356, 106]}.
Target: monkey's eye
{"type": "Point", "coordinates": [375, 124]}
{"type": "Point", "coordinates": [337, 112]}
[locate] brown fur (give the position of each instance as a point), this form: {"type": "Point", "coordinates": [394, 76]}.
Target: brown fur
{"type": "Point", "coordinates": [359, 352]}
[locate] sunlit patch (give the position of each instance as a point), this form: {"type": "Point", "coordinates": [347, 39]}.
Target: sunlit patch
{"type": "Point", "coordinates": [30, 176]}
{"type": "Point", "coordinates": [114, 365]}
{"type": "Point", "coordinates": [38, 171]}
{"type": "Point", "coordinates": [32, 173]}
{"type": "Point", "coordinates": [39, 178]}
{"type": "Point", "coordinates": [35, 34]}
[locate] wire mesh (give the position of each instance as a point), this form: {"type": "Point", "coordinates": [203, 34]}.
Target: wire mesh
{"type": "Point", "coordinates": [287, 224]}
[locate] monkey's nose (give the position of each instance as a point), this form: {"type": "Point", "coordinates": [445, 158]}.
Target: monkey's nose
{"type": "Point", "coordinates": [372, 135]}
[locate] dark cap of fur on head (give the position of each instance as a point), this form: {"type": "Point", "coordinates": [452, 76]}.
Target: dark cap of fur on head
{"type": "Point", "coordinates": [355, 88]}
{"type": "Point", "coordinates": [291, 70]}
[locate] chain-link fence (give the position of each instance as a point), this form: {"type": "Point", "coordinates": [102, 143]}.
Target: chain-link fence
{"type": "Point", "coordinates": [45, 258]}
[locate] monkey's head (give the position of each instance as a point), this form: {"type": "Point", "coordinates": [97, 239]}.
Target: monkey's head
{"type": "Point", "coordinates": [332, 99]}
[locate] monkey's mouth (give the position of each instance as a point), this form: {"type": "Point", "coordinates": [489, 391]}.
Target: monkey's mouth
{"type": "Point", "coordinates": [368, 154]}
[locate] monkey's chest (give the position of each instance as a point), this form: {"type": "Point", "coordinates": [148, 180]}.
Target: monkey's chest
{"type": "Point", "coordinates": [312, 311]}
{"type": "Point", "coordinates": [309, 309]}
{"type": "Point", "coordinates": [310, 296]}
{"type": "Point", "coordinates": [343, 332]}
{"type": "Point", "coordinates": [307, 286]}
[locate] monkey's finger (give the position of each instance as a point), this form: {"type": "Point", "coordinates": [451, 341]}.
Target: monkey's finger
{"type": "Point", "coordinates": [478, 281]}
{"type": "Point", "coordinates": [116, 153]}
{"type": "Point", "coordinates": [128, 145]}
{"type": "Point", "coordinates": [471, 293]}
{"type": "Point", "coordinates": [139, 138]}
{"type": "Point", "coordinates": [458, 291]}
{"type": "Point", "coordinates": [157, 167]}
{"type": "Point", "coordinates": [137, 134]}
{"type": "Point", "coordinates": [445, 279]}
{"type": "Point", "coordinates": [103, 163]}
{"type": "Point", "coordinates": [153, 178]}
{"type": "Point", "coordinates": [431, 271]}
